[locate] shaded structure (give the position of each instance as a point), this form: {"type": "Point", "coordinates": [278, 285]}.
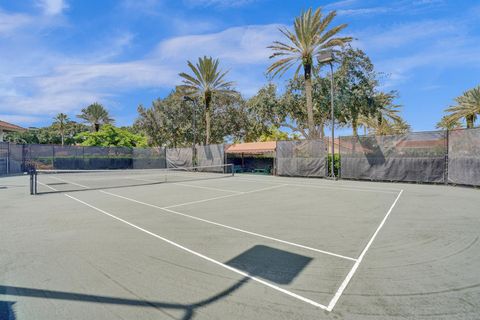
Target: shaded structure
{"type": "Point", "coordinates": [253, 157]}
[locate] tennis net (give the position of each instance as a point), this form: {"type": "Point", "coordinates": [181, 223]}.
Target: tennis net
{"type": "Point", "coordinates": [54, 181]}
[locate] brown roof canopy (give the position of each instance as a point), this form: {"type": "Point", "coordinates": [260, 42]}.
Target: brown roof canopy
{"type": "Point", "coordinates": [252, 148]}
{"type": "Point", "coordinates": [5, 126]}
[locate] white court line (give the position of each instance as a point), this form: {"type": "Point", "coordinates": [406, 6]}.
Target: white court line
{"type": "Point", "coordinates": [206, 188]}
{"type": "Point", "coordinates": [77, 184]}
{"type": "Point", "coordinates": [349, 276]}
{"type": "Point", "coordinates": [226, 196]}
{"type": "Point", "coordinates": [289, 293]}
{"type": "Point", "coordinates": [364, 189]}
{"type": "Point", "coordinates": [231, 228]}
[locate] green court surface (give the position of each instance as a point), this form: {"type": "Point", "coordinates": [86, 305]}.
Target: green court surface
{"type": "Point", "coordinates": [242, 247]}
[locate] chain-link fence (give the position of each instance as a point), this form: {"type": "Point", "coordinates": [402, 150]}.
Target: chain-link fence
{"type": "Point", "coordinates": [432, 157]}
{"type": "Point", "coordinates": [4, 158]}
{"type": "Point", "coordinates": [210, 157]}
{"type": "Point", "coordinates": [302, 158]}
{"type": "Point", "coordinates": [464, 157]}
{"type": "Point", "coordinates": [414, 157]}
{"type": "Point", "coordinates": [179, 157]}
{"type": "Point", "coordinates": [149, 158]}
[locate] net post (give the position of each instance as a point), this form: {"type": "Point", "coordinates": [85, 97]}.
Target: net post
{"type": "Point", "coordinates": [35, 181]}
{"type": "Point", "coordinates": [31, 182]}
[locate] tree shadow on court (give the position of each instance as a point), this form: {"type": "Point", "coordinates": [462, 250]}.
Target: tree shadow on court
{"type": "Point", "coordinates": [274, 265]}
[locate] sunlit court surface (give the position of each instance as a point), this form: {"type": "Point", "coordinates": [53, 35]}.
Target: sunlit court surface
{"type": "Point", "coordinates": [238, 247]}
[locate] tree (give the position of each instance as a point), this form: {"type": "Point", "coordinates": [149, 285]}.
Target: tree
{"type": "Point", "coordinates": [275, 134]}
{"type": "Point", "coordinates": [96, 115]}
{"type": "Point", "coordinates": [60, 122]}
{"type": "Point", "coordinates": [48, 135]}
{"type": "Point", "coordinates": [447, 124]}
{"type": "Point", "coordinates": [356, 81]}
{"type": "Point", "coordinates": [206, 82]}
{"type": "Point", "coordinates": [468, 108]}
{"type": "Point", "coordinates": [169, 121]}
{"type": "Point", "coordinates": [309, 39]}
{"type": "Point", "coordinates": [386, 118]}
{"type": "Point", "coordinates": [109, 135]}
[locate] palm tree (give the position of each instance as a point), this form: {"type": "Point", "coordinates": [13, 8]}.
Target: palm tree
{"type": "Point", "coordinates": [309, 39]}
{"type": "Point", "coordinates": [96, 115]}
{"type": "Point", "coordinates": [206, 82]}
{"type": "Point", "coordinates": [60, 122]}
{"type": "Point", "coordinates": [447, 124]}
{"type": "Point", "coordinates": [468, 107]}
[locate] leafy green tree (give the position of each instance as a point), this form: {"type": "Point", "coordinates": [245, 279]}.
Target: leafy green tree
{"type": "Point", "coordinates": [275, 134]}
{"type": "Point", "coordinates": [96, 115]}
{"type": "Point", "coordinates": [60, 122]}
{"type": "Point", "coordinates": [447, 124]}
{"type": "Point", "coordinates": [48, 135]}
{"type": "Point", "coordinates": [109, 135]}
{"type": "Point", "coordinates": [169, 121]}
{"type": "Point", "coordinates": [467, 107]}
{"type": "Point", "coordinates": [356, 81]}
{"type": "Point", "coordinates": [206, 82]}
{"type": "Point", "coordinates": [309, 39]}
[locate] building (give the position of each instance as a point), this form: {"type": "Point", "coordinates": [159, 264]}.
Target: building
{"type": "Point", "coordinates": [8, 127]}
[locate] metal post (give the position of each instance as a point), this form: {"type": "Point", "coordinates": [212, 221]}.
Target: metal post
{"type": "Point", "coordinates": [194, 150]}
{"type": "Point", "coordinates": [8, 157]}
{"type": "Point", "coordinates": [333, 123]}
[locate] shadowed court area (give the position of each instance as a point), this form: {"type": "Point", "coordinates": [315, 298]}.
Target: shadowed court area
{"type": "Point", "coordinates": [243, 247]}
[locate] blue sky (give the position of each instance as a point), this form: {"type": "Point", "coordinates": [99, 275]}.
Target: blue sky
{"type": "Point", "coordinates": [61, 55]}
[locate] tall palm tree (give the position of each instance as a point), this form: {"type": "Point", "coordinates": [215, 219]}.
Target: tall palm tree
{"type": "Point", "coordinates": [446, 124]}
{"type": "Point", "coordinates": [468, 107]}
{"type": "Point", "coordinates": [60, 121]}
{"type": "Point", "coordinates": [308, 40]}
{"type": "Point", "coordinates": [206, 82]}
{"type": "Point", "coordinates": [96, 115]}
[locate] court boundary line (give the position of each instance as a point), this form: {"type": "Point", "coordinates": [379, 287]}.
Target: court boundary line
{"type": "Point", "coordinates": [362, 189]}
{"type": "Point", "coordinates": [232, 228]}
{"type": "Point", "coordinates": [333, 301]}
{"type": "Point", "coordinates": [221, 264]}
{"type": "Point", "coordinates": [354, 268]}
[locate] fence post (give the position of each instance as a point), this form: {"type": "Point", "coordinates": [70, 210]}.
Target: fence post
{"type": "Point", "coordinates": [447, 141]}
{"type": "Point", "coordinates": [8, 158]}
{"type": "Point", "coordinates": [53, 156]}
{"type": "Point", "coordinates": [339, 174]}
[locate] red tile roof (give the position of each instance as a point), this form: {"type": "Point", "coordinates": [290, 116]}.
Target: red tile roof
{"type": "Point", "coordinates": [5, 126]}
{"type": "Point", "coordinates": [252, 147]}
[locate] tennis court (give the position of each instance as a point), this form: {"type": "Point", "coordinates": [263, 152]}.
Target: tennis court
{"type": "Point", "coordinates": [218, 246]}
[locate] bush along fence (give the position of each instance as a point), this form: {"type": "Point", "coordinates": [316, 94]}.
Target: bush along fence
{"type": "Point", "coordinates": [424, 157]}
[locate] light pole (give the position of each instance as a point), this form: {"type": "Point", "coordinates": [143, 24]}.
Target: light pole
{"type": "Point", "coordinates": [327, 57]}
{"type": "Point", "coordinates": [194, 115]}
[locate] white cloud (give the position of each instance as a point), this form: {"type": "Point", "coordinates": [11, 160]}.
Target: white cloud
{"type": "Point", "coordinates": [362, 11]}
{"type": "Point", "coordinates": [219, 3]}
{"type": "Point", "coordinates": [238, 45]}
{"type": "Point", "coordinates": [415, 33]}
{"type": "Point", "coordinates": [12, 22]}
{"type": "Point", "coordinates": [12, 118]}
{"type": "Point", "coordinates": [66, 83]}
{"type": "Point", "coordinates": [52, 7]}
